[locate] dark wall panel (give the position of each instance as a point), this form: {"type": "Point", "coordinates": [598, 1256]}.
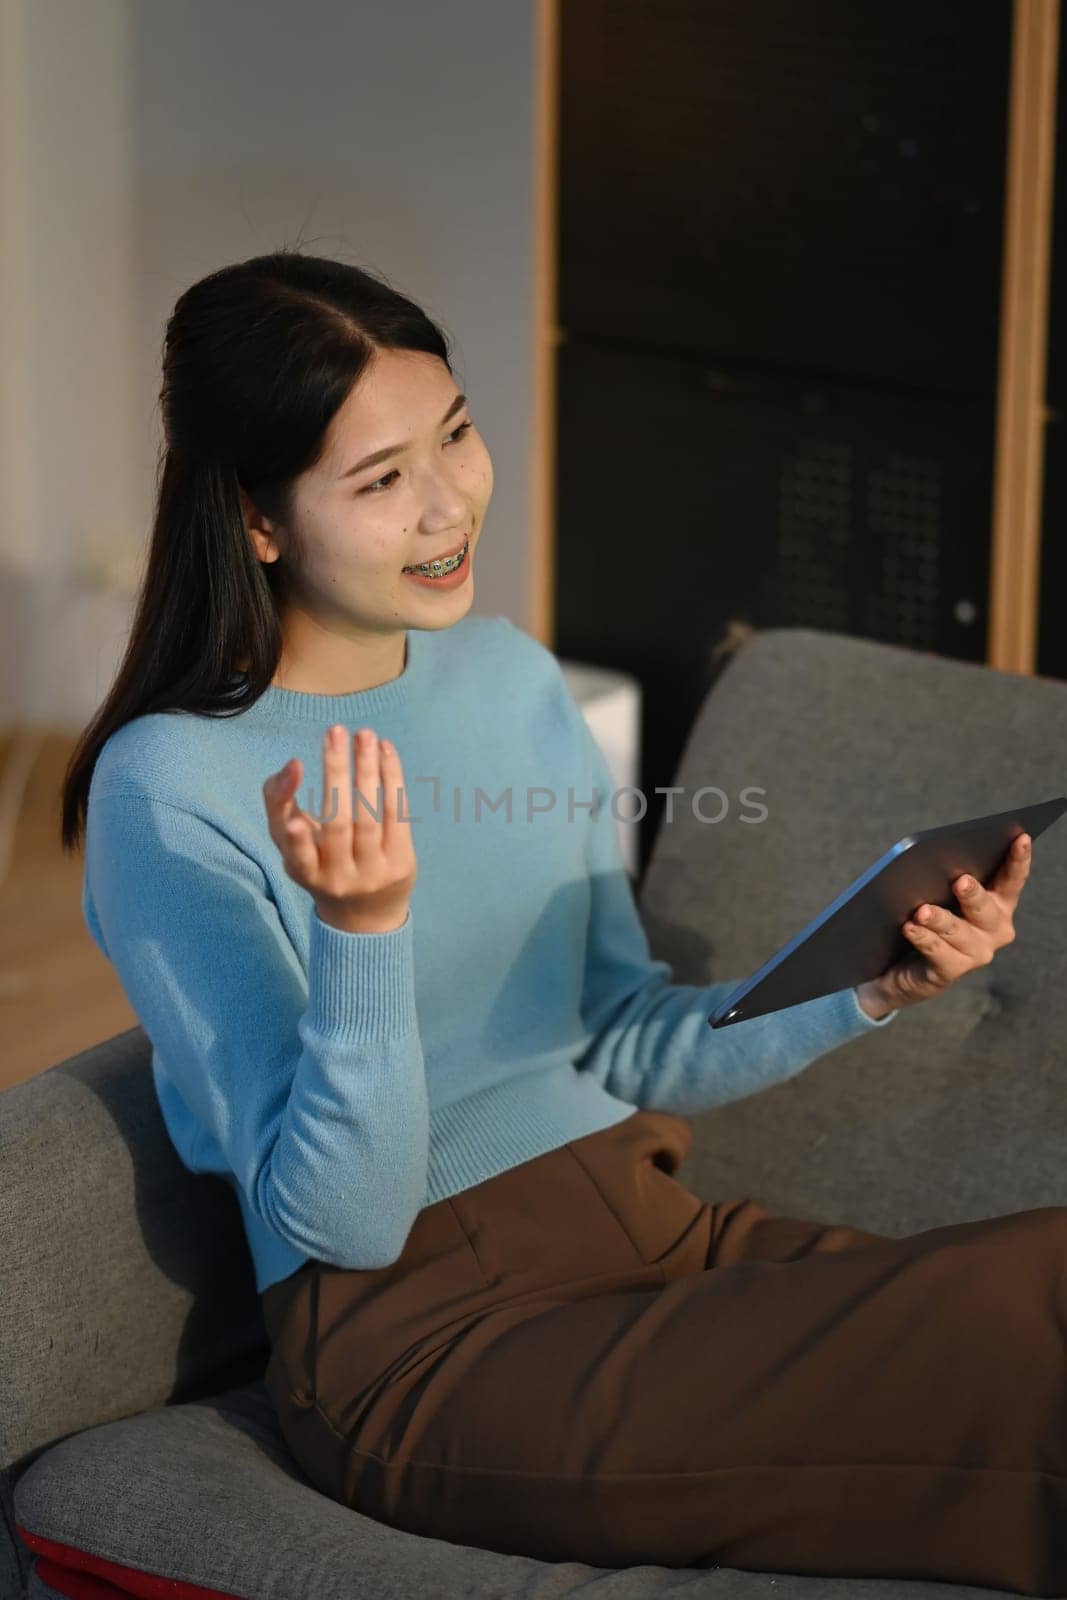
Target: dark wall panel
{"type": "Point", "coordinates": [815, 186]}
{"type": "Point", "coordinates": [696, 496]}
{"type": "Point", "coordinates": [780, 266]}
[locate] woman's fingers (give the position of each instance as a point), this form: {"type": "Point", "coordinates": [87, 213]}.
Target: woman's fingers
{"type": "Point", "coordinates": [367, 821]}
{"type": "Point", "coordinates": [360, 845]}
{"type": "Point", "coordinates": [335, 833]}
{"type": "Point", "coordinates": [394, 830]}
{"type": "Point", "coordinates": [289, 827]}
{"type": "Point", "coordinates": [300, 845]}
{"type": "Point", "coordinates": [278, 792]}
{"type": "Point", "coordinates": [1013, 871]}
{"type": "Point", "coordinates": [939, 949]}
{"type": "Point", "coordinates": [961, 935]}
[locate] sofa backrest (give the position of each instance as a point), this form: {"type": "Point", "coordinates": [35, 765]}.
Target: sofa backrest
{"type": "Point", "coordinates": [958, 1108]}
{"type": "Point", "coordinates": [126, 1280]}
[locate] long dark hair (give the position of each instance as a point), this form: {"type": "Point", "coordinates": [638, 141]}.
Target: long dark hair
{"type": "Point", "coordinates": [257, 359]}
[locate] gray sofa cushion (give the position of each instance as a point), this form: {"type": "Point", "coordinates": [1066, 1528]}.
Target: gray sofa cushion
{"type": "Point", "coordinates": [207, 1494]}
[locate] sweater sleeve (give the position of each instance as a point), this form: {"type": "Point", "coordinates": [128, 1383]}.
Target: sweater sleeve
{"type": "Point", "coordinates": [313, 1087]}
{"type": "Point", "coordinates": [651, 1042]}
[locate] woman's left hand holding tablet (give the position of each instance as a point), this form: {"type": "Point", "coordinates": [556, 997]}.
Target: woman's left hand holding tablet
{"type": "Point", "coordinates": [949, 946]}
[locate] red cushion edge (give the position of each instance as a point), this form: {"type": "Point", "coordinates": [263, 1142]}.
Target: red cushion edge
{"type": "Point", "coordinates": [75, 1572]}
{"type": "Point", "coordinates": [78, 1585]}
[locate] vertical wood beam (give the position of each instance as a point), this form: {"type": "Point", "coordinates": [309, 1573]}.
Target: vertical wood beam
{"type": "Point", "coordinates": [542, 542]}
{"type": "Point", "coordinates": [1015, 565]}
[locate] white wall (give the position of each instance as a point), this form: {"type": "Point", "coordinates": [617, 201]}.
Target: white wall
{"type": "Point", "coordinates": [143, 146]}
{"type": "Point", "coordinates": [72, 440]}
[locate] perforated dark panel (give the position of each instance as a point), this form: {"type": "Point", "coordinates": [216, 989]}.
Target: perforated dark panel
{"type": "Point", "coordinates": [815, 512]}
{"type": "Point", "coordinates": [826, 499]}
{"type": "Point", "coordinates": [696, 496]}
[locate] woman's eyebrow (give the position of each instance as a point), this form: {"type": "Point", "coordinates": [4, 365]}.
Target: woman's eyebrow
{"type": "Point", "coordinates": [391, 450]}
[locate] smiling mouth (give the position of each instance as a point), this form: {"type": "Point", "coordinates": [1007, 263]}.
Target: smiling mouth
{"type": "Point", "coordinates": [440, 563]}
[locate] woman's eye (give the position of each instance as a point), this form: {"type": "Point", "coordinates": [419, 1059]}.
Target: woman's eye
{"type": "Point", "coordinates": [373, 488]}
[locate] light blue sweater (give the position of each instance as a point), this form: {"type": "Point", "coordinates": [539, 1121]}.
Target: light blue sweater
{"type": "Point", "coordinates": [343, 1081]}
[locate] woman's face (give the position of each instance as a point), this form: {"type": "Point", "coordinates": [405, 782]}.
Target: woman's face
{"type": "Point", "coordinates": [360, 525]}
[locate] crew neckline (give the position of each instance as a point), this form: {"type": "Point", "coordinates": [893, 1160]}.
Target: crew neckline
{"type": "Point", "coordinates": [348, 708]}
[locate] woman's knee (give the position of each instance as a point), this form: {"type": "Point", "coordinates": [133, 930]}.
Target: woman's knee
{"type": "Point", "coordinates": [1004, 1274]}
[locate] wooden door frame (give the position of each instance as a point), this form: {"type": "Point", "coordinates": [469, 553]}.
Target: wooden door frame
{"type": "Point", "coordinates": [1022, 410]}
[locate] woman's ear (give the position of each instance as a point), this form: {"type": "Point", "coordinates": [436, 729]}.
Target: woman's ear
{"type": "Point", "coordinates": [260, 530]}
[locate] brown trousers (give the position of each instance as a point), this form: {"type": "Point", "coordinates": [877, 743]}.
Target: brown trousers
{"type": "Point", "coordinates": [579, 1360]}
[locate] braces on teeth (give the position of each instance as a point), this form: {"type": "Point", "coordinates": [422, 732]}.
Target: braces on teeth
{"type": "Point", "coordinates": [435, 568]}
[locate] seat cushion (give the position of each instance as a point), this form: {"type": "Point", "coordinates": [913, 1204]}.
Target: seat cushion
{"type": "Point", "coordinates": [204, 1499]}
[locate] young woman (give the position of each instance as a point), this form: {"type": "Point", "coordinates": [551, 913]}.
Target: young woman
{"type": "Point", "coordinates": [420, 1031]}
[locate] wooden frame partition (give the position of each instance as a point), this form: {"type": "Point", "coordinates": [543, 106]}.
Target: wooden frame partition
{"type": "Point", "coordinates": [546, 332]}
{"type": "Point", "coordinates": [1018, 473]}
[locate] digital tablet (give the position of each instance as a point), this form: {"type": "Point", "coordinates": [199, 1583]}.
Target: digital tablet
{"type": "Point", "coordinates": [859, 935]}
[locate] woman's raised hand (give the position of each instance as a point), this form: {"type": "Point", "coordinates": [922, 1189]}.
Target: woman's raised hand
{"type": "Point", "coordinates": [360, 870]}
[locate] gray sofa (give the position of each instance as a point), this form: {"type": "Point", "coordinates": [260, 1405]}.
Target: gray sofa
{"type": "Point", "coordinates": [135, 1432]}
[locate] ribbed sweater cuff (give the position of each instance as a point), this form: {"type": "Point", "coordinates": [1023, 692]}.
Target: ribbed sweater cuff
{"type": "Point", "coordinates": [853, 999]}
{"type": "Point", "coordinates": [361, 986]}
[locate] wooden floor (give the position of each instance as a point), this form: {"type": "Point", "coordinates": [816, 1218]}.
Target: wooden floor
{"type": "Point", "coordinates": [58, 993]}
